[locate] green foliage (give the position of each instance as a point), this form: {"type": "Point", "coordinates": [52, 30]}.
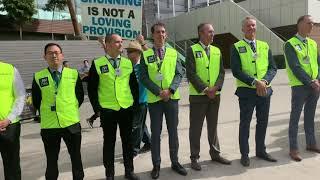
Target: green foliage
{"type": "Point", "coordinates": [19, 11]}
{"type": "Point", "coordinates": [55, 5]}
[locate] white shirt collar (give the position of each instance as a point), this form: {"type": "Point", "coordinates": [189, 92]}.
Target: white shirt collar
{"type": "Point", "coordinates": [163, 48]}
{"type": "Point", "coordinates": [249, 41]}
{"type": "Point", "coordinates": [109, 57]}
{"type": "Point", "coordinates": [53, 70]}
{"type": "Point", "coordinates": [204, 46]}
{"type": "Point", "coordinates": [302, 39]}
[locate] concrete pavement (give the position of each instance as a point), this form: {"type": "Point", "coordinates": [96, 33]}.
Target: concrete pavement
{"type": "Point", "coordinates": [33, 161]}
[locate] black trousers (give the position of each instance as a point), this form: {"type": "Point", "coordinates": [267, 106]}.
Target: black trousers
{"type": "Point", "coordinates": [139, 130]}
{"type": "Point", "coordinates": [10, 151]}
{"type": "Point", "coordinates": [52, 139]}
{"type": "Point", "coordinates": [109, 121]}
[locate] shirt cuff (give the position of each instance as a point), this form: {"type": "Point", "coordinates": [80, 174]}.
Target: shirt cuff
{"type": "Point", "coordinates": [253, 82]}
{"type": "Point", "coordinates": [205, 89]}
{"type": "Point", "coordinates": [171, 91]}
{"type": "Point", "coordinates": [11, 118]}
{"type": "Point", "coordinates": [267, 83]}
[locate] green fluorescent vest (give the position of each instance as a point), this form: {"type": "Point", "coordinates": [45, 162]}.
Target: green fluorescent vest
{"type": "Point", "coordinates": [65, 100]}
{"type": "Point", "coordinates": [256, 68]}
{"type": "Point", "coordinates": [207, 69]}
{"type": "Point", "coordinates": [114, 91]}
{"type": "Point", "coordinates": [6, 90]}
{"type": "Point", "coordinates": [167, 70]}
{"type": "Point", "coordinates": [310, 67]}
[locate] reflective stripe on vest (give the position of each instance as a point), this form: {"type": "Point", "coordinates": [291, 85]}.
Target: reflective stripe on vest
{"type": "Point", "coordinates": [64, 99]}
{"type": "Point", "coordinates": [207, 70]}
{"type": "Point", "coordinates": [309, 65]}
{"type": "Point", "coordinates": [6, 90]}
{"type": "Point", "coordinates": [253, 65]}
{"type": "Point", "coordinates": [114, 91]}
{"type": "Point", "coordinates": [168, 69]}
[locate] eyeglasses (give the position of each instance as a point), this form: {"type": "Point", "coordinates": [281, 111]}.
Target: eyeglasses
{"type": "Point", "coordinates": [50, 53]}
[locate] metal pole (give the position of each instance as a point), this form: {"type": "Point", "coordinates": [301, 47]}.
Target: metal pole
{"type": "Point", "coordinates": [188, 6]}
{"type": "Point", "coordinates": [207, 2]}
{"type": "Point", "coordinates": [173, 9]}
{"type": "Point", "coordinates": [158, 9]}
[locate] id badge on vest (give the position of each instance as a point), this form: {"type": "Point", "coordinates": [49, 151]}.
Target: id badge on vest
{"type": "Point", "coordinates": [53, 106]}
{"type": "Point", "coordinates": [159, 76]}
{"type": "Point", "coordinates": [118, 72]}
{"type": "Point", "coordinates": [306, 60]}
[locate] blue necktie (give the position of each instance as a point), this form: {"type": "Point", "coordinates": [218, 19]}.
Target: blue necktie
{"type": "Point", "coordinates": [253, 48]}
{"type": "Point", "coordinates": [56, 77]}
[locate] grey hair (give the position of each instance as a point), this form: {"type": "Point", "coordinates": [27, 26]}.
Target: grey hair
{"type": "Point", "coordinates": [246, 19]}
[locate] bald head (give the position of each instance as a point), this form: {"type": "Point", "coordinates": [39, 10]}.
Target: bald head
{"type": "Point", "coordinates": [206, 33]}
{"type": "Point", "coordinates": [113, 45]}
{"type": "Point", "coordinates": [305, 25]}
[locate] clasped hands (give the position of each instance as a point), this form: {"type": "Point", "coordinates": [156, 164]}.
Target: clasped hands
{"type": "Point", "coordinates": [211, 92]}
{"type": "Point", "coordinates": [165, 95]}
{"type": "Point", "coordinates": [261, 86]}
{"type": "Point", "coordinates": [4, 124]}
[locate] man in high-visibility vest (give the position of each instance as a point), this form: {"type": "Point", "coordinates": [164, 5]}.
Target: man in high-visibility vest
{"type": "Point", "coordinates": [114, 92]}
{"type": "Point", "coordinates": [12, 93]}
{"type": "Point", "coordinates": [302, 60]}
{"type": "Point", "coordinates": [161, 74]}
{"type": "Point", "coordinates": [205, 73]}
{"type": "Point", "coordinates": [253, 67]}
{"type": "Point", "coordinates": [57, 93]}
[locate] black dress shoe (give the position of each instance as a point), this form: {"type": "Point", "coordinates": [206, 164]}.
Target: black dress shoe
{"type": "Point", "coordinates": [110, 178]}
{"type": "Point", "coordinates": [245, 161]}
{"type": "Point", "coordinates": [131, 176]}
{"type": "Point", "coordinates": [267, 157]}
{"type": "Point", "coordinates": [195, 165]}
{"type": "Point", "coordinates": [155, 172]}
{"type": "Point", "coordinates": [221, 160]}
{"type": "Point", "coordinates": [177, 167]}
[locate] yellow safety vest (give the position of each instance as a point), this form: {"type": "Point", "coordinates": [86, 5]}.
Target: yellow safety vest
{"type": "Point", "coordinates": [59, 106]}
{"type": "Point", "coordinates": [167, 71]}
{"type": "Point", "coordinates": [308, 59]}
{"type": "Point", "coordinates": [207, 69]}
{"type": "Point", "coordinates": [254, 65]}
{"type": "Point", "coordinates": [114, 90]}
{"type": "Point", "coordinates": [6, 90]}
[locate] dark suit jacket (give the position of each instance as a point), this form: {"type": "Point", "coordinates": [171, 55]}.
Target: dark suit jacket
{"type": "Point", "coordinates": [237, 72]}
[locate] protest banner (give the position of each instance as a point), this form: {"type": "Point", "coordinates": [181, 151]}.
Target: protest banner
{"type": "Point", "coordinates": [102, 17]}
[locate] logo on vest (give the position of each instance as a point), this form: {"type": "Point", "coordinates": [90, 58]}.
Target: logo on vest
{"type": "Point", "coordinates": [242, 49]}
{"type": "Point", "coordinates": [298, 47]}
{"type": "Point", "coordinates": [151, 59]}
{"type": "Point", "coordinates": [44, 82]}
{"type": "Point", "coordinates": [104, 69]}
{"type": "Point", "coordinates": [198, 54]}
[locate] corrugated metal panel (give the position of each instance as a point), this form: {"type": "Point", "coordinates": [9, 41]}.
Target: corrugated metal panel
{"type": "Point", "coordinates": [230, 15]}
{"type": "Point", "coordinates": [27, 56]}
{"type": "Point", "coordinates": [314, 9]}
{"type": "Point", "coordinates": [275, 13]}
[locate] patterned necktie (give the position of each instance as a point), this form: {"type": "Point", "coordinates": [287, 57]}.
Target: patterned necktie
{"type": "Point", "coordinates": [207, 49]}
{"type": "Point", "coordinates": [305, 41]}
{"type": "Point", "coordinates": [113, 63]}
{"type": "Point", "coordinates": [253, 48]}
{"type": "Point", "coordinates": [56, 77]}
{"type": "Point", "coordinates": [160, 53]}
